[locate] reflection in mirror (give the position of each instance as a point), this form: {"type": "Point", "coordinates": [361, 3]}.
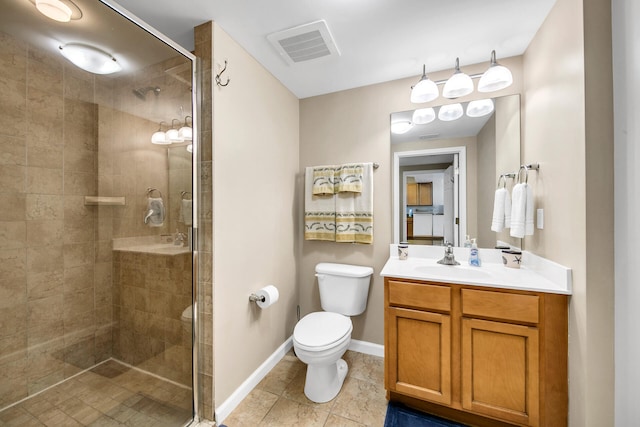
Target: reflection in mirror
{"type": "Point", "coordinates": [458, 162]}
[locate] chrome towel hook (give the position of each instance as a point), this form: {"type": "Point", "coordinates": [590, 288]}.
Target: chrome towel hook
{"type": "Point", "coordinates": [220, 74]}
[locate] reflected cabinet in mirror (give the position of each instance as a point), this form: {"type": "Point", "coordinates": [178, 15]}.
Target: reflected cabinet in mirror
{"type": "Point", "coordinates": [445, 172]}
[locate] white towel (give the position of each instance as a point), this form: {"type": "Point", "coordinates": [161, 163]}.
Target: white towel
{"type": "Point", "coordinates": [155, 210]}
{"type": "Point", "coordinates": [319, 212]}
{"type": "Point", "coordinates": [501, 210]}
{"type": "Point", "coordinates": [349, 178]}
{"type": "Point", "coordinates": [323, 180]}
{"type": "Point", "coordinates": [522, 211]}
{"type": "Point", "coordinates": [186, 211]}
{"type": "Point", "coordinates": [354, 211]}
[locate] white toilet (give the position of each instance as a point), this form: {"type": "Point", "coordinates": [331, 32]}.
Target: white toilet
{"type": "Point", "coordinates": [320, 339]}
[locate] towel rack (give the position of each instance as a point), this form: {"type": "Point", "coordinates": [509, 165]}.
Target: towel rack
{"type": "Point", "coordinates": [504, 177]}
{"type": "Point", "coordinates": [151, 190]}
{"type": "Point", "coordinates": [527, 168]}
{"type": "Point", "coordinates": [184, 193]}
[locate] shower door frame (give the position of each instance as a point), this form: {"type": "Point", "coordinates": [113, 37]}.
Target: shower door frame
{"type": "Point", "coordinates": [195, 177]}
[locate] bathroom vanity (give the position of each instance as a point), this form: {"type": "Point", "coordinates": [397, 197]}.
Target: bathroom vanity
{"type": "Point", "coordinates": [485, 346]}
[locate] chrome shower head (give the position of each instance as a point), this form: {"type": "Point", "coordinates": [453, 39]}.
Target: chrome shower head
{"type": "Point", "coordinates": [142, 92]}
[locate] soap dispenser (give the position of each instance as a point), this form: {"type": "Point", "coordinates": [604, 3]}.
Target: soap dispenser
{"type": "Point", "coordinates": [467, 242]}
{"type": "Point", "coordinates": [474, 255]}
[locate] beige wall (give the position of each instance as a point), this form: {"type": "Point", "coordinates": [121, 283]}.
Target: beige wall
{"type": "Point", "coordinates": [567, 129]}
{"type": "Point", "coordinates": [255, 162]}
{"type": "Point", "coordinates": [485, 185]}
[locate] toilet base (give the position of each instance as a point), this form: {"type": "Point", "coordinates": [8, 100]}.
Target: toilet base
{"type": "Point", "coordinates": [323, 382]}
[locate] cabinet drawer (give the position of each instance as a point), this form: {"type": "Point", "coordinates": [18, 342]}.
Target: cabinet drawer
{"type": "Point", "coordinates": [499, 305]}
{"type": "Point", "coordinates": [416, 295]}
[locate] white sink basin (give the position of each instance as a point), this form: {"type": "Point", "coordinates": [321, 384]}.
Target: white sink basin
{"type": "Point", "coordinates": [453, 271]}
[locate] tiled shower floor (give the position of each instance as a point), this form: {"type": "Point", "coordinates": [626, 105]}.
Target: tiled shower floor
{"type": "Point", "coordinates": [279, 399]}
{"type": "Point", "coordinates": [111, 394]}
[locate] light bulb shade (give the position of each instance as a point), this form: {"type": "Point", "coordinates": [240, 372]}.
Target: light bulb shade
{"type": "Point", "coordinates": [480, 108]}
{"type": "Point", "coordinates": [495, 78]}
{"type": "Point", "coordinates": [160, 138]}
{"type": "Point", "coordinates": [190, 148]}
{"type": "Point", "coordinates": [426, 90]}
{"type": "Point", "coordinates": [54, 9]}
{"type": "Point", "coordinates": [422, 116]}
{"type": "Point", "coordinates": [458, 85]}
{"type": "Point", "coordinates": [401, 127]}
{"type": "Point", "coordinates": [173, 136]}
{"type": "Point", "coordinates": [90, 58]}
{"type": "Point", "coordinates": [450, 112]}
{"type": "Point", "coordinates": [185, 133]}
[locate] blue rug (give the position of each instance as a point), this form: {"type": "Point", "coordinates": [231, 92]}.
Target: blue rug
{"type": "Point", "coordinates": [399, 415]}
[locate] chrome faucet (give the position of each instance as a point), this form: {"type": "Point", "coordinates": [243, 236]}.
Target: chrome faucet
{"type": "Point", "coordinates": [449, 258]}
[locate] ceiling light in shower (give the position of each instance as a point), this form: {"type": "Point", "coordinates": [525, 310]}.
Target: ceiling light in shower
{"type": "Point", "coordinates": [450, 112]}
{"type": "Point", "coordinates": [159, 137]}
{"type": "Point", "coordinates": [90, 58]}
{"type": "Point", "coordinates": [480, 108]}
{"type": "Point", "coordinates": [185, 132]}
{"type": "Point", "coordinates": [54, 9]}
{"type": "Point", "coordinates": [401, 126]}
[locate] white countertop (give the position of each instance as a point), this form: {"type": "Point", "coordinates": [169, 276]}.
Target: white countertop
{"type": "Point", "coordinates": [536, 273]}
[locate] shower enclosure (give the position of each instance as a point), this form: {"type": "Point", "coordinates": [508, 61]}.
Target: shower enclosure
{"type": "Point", "coordinates": [96, 222]}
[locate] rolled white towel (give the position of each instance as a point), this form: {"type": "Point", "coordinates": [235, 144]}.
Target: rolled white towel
{"type": "Point", "coordinates": [522, 211]}
{"type": "Point", "coordinates": [498, 219]}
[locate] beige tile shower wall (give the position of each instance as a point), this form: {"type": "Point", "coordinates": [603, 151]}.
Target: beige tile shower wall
{"type": "Point", "coordinates": [150, 293]}
{"type": "Point", "coordinates": [203, 50]}
{"type": "Point", "coordinates": [54, 275]}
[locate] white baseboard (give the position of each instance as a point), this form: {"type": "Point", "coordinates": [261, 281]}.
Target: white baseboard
{"type": "Point", "coordinates": [245, 388]}
{"type": "Point", "coordinates": [249, 384]}
{"type": "Point", "coordinates": [367, 348]}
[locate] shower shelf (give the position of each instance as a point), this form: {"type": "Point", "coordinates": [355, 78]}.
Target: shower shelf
{"type": "Point", "coordinates": [103, 201]}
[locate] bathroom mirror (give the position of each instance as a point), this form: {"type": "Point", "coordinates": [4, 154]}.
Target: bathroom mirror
{"type": "Point", "coordinates": [462, 159]}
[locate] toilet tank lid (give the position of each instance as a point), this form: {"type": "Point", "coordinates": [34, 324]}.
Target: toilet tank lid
{"type": "Point", "coordinates": [343, 270]}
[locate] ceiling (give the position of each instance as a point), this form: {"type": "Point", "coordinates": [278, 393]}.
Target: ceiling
{"type": "Point", "coordinates": [379, 40]}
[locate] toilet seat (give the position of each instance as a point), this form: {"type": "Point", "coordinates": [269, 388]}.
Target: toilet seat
{"type": "Point", "coordinates": [322, 330]}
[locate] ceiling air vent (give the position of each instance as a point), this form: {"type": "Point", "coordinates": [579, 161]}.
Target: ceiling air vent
{"type": "Point", "coordinates": [304, 42]}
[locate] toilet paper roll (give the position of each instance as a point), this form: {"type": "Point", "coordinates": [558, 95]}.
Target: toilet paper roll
{"type": "Point", "coordinates": [270, 294]}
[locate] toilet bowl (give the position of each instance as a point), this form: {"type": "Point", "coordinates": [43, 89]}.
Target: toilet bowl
{"type": "Point", "coordinates": [320, 339]}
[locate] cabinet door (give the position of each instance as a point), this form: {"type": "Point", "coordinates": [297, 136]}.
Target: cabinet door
{"type": "Point", "coordinates": [438, 225]}
{"type": "Point", "coordinates": [500, 370]}
{"type": "Point", "coordinates": [425, 193]}
{"type": "Point", "coordinates": [418, 354]}
{"type": "Point", "coordinates": [412, 194]}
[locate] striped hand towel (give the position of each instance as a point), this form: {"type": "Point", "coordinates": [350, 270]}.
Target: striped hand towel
{"type": "Point", "coordinates": [323, 180]}
{"type": "Point", "coordinates": [319, 212]}
{"type": "Point", "coordinates": [348, 177]}
{"type": "Point", "coordinates": [354, 212]}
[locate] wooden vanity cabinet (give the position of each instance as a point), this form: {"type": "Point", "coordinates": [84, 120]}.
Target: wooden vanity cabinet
{"type": "Point", "coordinates": [478, 355]}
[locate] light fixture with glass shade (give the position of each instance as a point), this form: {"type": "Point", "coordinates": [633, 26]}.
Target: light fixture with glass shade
{"type": "Point", "coordinates": [422, 116]}
{"type": "Point", "coordinates": [480, 108]}
{"type": "Point", "coordinates": [90, 58]}
{"type": "Point", "coordinates": [401, 126]}
{"type": "Point", "coordinates": [460, 84]}
{"type": "Point", "coordinates": [173, 133]}
{"type": "Point", "coordinates": [450, 112]}
{"type": "Point", "coordinates": [190, 148]}
{"type": "Point", "coordinates": [186, 133]}
{"type": "Point", "coordinates": [425, 90]}
{"type": "Point", "coordinates": [54, 9]}
{"type": "Point", "coordinates": [159, 137]}
{"type": "Point", "coordinates": [496, 77]}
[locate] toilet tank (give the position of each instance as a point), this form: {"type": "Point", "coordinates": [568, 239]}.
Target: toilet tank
{"type": "Point", "coordinates": [343, 288]}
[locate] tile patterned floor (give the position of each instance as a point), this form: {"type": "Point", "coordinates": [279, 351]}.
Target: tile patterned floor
{"type": "Point", "coordinates": [279, 399]}
{"type": "Point", "coordinates": [109, 395]}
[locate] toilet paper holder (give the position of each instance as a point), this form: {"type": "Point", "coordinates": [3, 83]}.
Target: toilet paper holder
{"type": "Point", "coordinates": [256, 298]}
